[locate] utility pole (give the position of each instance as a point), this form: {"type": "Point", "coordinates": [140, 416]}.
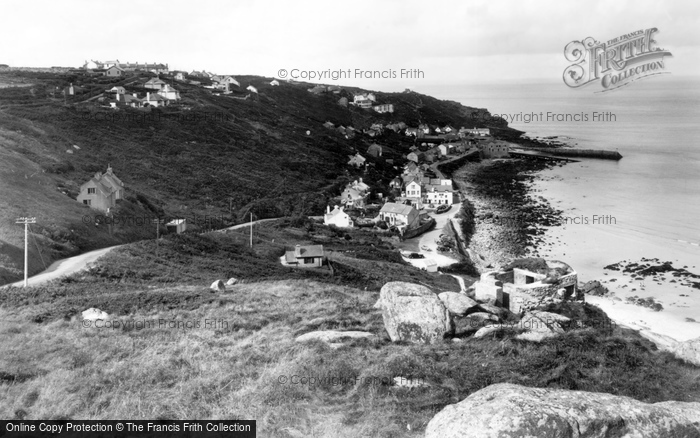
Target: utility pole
{"type": "Point", "coordinates": [251, 229]}
{"type": "Point", "coordinates": [157, 222]}
{"type": "Point", "coordinates": [26, 221]}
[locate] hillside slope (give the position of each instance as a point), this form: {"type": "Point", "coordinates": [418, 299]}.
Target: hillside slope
{"type": "Point", "coordinates": [211, 159]}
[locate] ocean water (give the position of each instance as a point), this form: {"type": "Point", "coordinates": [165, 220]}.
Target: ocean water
{"type": "Point", "coordinates": [645, 205]}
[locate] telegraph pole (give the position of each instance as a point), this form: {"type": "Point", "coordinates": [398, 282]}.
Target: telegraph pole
{"type": "Point", "coordinates": [251, 229]}
{"type": "Point", "coordinates": [26, 221]}
{"type": "Point", "coordinates": [157, 222]}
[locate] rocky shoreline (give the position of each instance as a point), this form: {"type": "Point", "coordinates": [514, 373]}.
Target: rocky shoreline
{"type": "Point", "coordinates": [509, 219]}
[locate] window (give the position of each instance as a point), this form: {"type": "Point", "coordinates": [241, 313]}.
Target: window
{"type": "Point", "coordinates": [91, 191]}
{"type": "Point", "coordinates": [86, 201]}
{"type": "Point", "coordinates": [308, 260]}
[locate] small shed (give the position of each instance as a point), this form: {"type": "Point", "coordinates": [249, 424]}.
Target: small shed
{"type": "Point", "coordinates": [176, 226]}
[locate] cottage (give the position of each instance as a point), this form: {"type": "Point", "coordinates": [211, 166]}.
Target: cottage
{"type": "Point", "coordinates": [411, 169]}
{"type": "Point", "coordinates": [337, 217]}
{"type": "Point", "coordinates": [275, 83]}
{"type": "Point", "coordinates": [154, 84]}
{"type": "Point", "coordinates": [102, 191]}
{"type": "Point", "coordinates": [425, 128]}
{"type": "Point", "coordinates": [385, 108]}
{"type": "Point", "coordinates": [176, 226]}
{"type": "Point", "coordinates": [396, 183]}
{"type": "Point", "coordinates": [155, 100]}
{"type": "Point", "coordinates": [442, 149]}
{"type": "Point", "coordinates": [127, 100]}
{"type": "Point", "coordinates": [355, 194]}
{"type": "Point", "coordinates": [180, 76]}
{"type": "Point", "coordinates": [310, 256]}
{"type": "Point", "coordinates": [230, 80]}
{"type": "Point", "coordinates": [117, 90]}
{"type": "Point", "coordinates": [357, 160]}
{"type": "Point", "coordinates": [401, 216]}
{"type": "Point", "coordinates": [252, 89]}
{"type": "Point", "coordinates": [411, 132]}
{"type": "Point", "coordinates": [439, 195]}
{"type": "Point", "coordinates": [415, 156]}
{"type": "Point", "coordinates": [413, 189]}
{"type": "Point", "coordinates": [481, 132]}
{"type": "Point", "coordinates": [328, 125]}
{"type": "Point", "coordinates": [169, 93]}
{"type": "Point", "coordinates": [114, 71]}
{"type": "Point", "coordinates": [374, 150]}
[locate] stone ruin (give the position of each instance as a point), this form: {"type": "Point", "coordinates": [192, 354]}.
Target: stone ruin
{"type": "Point", "coordinates": [528, 283]}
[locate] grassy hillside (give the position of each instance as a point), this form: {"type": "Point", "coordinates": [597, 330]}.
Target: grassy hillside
{"type": "Point", "coordinates": [235, 357]}
{"type": "Point", "coordinates": [219, 156]}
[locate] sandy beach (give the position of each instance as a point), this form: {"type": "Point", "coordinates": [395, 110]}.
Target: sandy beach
{"type": "Point", "coordinates": [589, 247]}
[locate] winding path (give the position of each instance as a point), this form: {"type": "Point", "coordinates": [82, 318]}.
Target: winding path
{"type": "Point", "coordinates": [74, 264]}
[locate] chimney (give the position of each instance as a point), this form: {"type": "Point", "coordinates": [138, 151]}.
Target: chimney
{"type": "Point", "coordinates": [117, 96]}
{"type": "Point", "coordinates": [328, 209]}
{"type": "Point", "coordinates": [134, 94]}
{"type": "Point", "coordinates": [360, 179]}
{"type": "Point", "coordinates": [297, 250]}
{"type": "Point", "coordinates": [148, 95]}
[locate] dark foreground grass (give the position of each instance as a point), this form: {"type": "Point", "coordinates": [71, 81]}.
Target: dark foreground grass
{"type": "Point", "coordinates": [234, 356]}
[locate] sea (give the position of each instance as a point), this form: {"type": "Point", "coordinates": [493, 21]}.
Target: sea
{"type": "Point", "coordinates": [646, 205]}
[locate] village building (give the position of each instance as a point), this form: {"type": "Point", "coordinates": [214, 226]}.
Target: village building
{"type": "Point", "coordinates": [328, 125]}
{"type": "Point", "coordinates": [412, 189]}
{"type": "Point", "coordinates": [114, 71]}
{"type": "Point", "coordinates": [180, 76]}
{"type": "Point", "coordinates": [154, 84]}
{"type": "Point", "coordinates": [481, 132]}
{"type": "Point", "coordinates": [102, 191]}
{"type": "Point", "coordinates": [402, 216]}
{"type": "Point", "coordinates": [337, 217]}
{"type": "Point", "coordinates": [226, 79]}
{"type": "Point", "coordinates": [155, 100]}
{"type": "Point", "coordinates": [169, 93]}
{"type": "Point", "coordinates": [275, 83]}
{"type": "Point", "coordinates": [126, 100]}
{"type": "Point", "coordinates": [357, 160]}
{"type": "Point", "coordinates": [355, 194]}
{"type": "Point", "coordinates": [439, 195]}
{"type": "Point", "coordinates": [252, 89]}
{"type": "Point", "coordinates": [384, 108]}
{"type": "Point", "coordinates": [308, 256]}
{"type": "Point", "coordinates": [176, 226]}
{"type": "Point", "coordinates": [117, 90]}
{"type": "Point", "coordinates": [494, 150]}
{"type": "Point", "coordinates": [374, 150]}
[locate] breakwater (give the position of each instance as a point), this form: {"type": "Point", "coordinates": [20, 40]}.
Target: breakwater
{"type": "Point", "coordinates": [587, 153]}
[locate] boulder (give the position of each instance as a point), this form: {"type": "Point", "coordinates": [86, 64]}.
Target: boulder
{"type": "Point", "coordinates": [413, 313]}
{"type": "Point", "coordinates": [474, 322]}
{"type": "Point", "coordinates": [231, 281]}
{"type": "Point", "coordinates": [490, 308]}
{"type": "Point", "coordinates": [488, 330]}
{"type": "Point", "coordinates": [689, 351]}
{"type": "Point", "coordinates": [509, 410]}
{"type": "Point", "coordinates": [218, 286]}
{"type": "Point", "coordinates": [538, 321]}
{"type": "Point", "coordinates": [93, 314]}
{"type": "Point", "coordinates": [333, 336]}
{"type": "Point", "coordinates": [535, 336]}
{"type": "Point", "coordinates": [594, 287]}
{"type": "Point", "coordinates": [457, 303]}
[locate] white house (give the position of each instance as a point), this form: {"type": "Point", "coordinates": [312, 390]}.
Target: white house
{"type": "Point", "coordinates": [180, 76]}
{"type": "Point", "coordinates": [337, 217]}
{"type": "Point", "coordinates": [413, 189]}
{"type": "Point", "coordinates": [443, 149]}
{"type": "Point", "coordinates": [117, 90]}
{"type": "Point", "coordinates": [252, 89]}
{"type": "Point", "coordinates": [439, 195]}
{"type": "Point", "coordinates": [154, 84]}
{"type": "Point", "coordinates": [399, 215]}
{"type": "Point", "coordinates": [310, 256]}
{"type": "Point", "coordinates": [169, 93]}
{"type": "Point", "coordinates": [155, 100]}
{"type": "Point", "coordinates": [114, 71]}
{"type": "Point", "coordinates": [275, 83]}
{"type": "Point", "coordinates": [357, 160]}
{"type": "Point", "coordinates": [102, 191]}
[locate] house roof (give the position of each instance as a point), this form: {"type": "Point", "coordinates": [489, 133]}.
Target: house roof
{"type": "Point", "coordinates": [335, 212]}
{"type": "Point", "coordinates": [153, 97]}
{"type": "Point", "coordinates": [439, 188]}
{"type": "Point", "coordinates": [155, 81]}
{"type": "Point", "coordinates": [392, 207]}
{"type": "Point", "coordinates": [309, 251]}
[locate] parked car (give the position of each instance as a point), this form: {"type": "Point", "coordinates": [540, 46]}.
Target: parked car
{"type": "Point", "coordinates": [443, 208]}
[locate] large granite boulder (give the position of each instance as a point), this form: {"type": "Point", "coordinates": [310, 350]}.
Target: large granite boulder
{"type": "Point", "coordinates": [507, 410]}
{"type": "Point", "coordinates": [218, 286]}
{"type": "Point", "coordinates": [594, 287]}
{"type": "Point", "coordinates": [413, 313]}
{"type": "Point", "coordinates": [457, 303]}
{"type": "Point", "coordinates": [688, 351]}
{"type": "Point", "coordinates": [94, 314]}
{"type": "Point", "coordinates": [474, 322]}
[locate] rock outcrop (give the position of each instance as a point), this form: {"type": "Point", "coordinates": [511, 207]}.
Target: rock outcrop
{"type": "Point", "coordinates": [456, 303]}
{"type": "Point", "coordinates": [93, 314]}
{"type": "Point", "coordinates": [218, 286]}
{"type": "Point", "coordinates": [413, 313]}
{"type": "Point", "coordinates": [333, 336]}
{"type": "Point", "coordinates": [507, 410]}
{"type": "Point", "coordinates": [688, 351]}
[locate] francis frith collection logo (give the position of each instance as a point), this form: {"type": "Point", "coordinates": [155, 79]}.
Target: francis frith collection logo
{"type": "Point", "coordinates": [615, 63]}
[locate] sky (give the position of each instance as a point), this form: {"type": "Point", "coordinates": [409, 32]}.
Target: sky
{"type": "Point", "coordinates": [449, 42]}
